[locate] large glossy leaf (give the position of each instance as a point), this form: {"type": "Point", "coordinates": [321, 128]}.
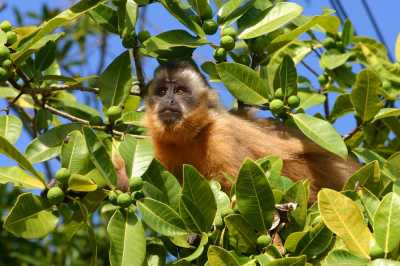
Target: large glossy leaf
{"type": "Point", "coordinates": [161, 185]}
{"type": "Point", "coordinates": [10, 128]}
{"type": "Point", "coordinates": [197, 205]}
{"type": "Point", "coordinates": [370, 202]}
{"type": "Point", "coordinates": [391, 167]}
{"type": "Point", "coordinates": [291, 261]}
{"type": "Point", "coordinates": [343, 217]}
{"type": "Point", "coordinates": [286, 77]}
{"type": "Point", "coordinates": [281, 14]}
{"type": "Point", "coordinates": [332, 59]}
{"type": "Point", "coordinates": [367, 176]}
{"type": "Point", "coordinates": [127, 239]}
{"type": "Point", "coordinates": [233, 9]}
{"type": "Point", "coordinates": [75, 154]}
{"type": "Point", "coordinates": [31, 217]}
{"type": "Point", "coordinates": [386, 112]}
{"type": "Point", "coordinates": [115, 81]}
{"type": "Point", "coordinates": [106, 17]}
{"type": "Point", "coordinates": [243, 82]}
{"type": "Point", "coordinates": [137, 154]}
{"type": "Point", "coordinates": [48, 145]}
{"type": "Point", "coordinates": [10, 151]}
{"type": "Point", "coordinates": [19, 178]}
{"type": "Point", "coordinates": [100, 157]}
{"type": "Point", "coordinates": [322, 133]}
{"type": "Point", "coordinates": [254, 196]}
{"type": "Point", "coordinates": [218, 256]}
{"type": "Point", "coordinates": [310, 99]}
{"type": "Point", "coordinates": [387, 222]}
{"type": "Point", "coordinates": [81, 183]}
{"type": "Point", "coordinates": [364, 95]}
{"type": "Point", "coordinates": [340, 257]}
{"type": "Point", "coordinates": [161, 218]}
{"type": "Point", "coordinates": [242, 235]}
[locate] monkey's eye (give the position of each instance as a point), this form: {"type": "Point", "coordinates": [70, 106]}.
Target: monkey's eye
{"type": "Point", "coordinates": [180, 90]}
{"type": "Point", "coordinates": [161, 91]}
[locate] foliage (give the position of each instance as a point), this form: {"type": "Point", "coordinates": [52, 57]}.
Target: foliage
{"type": "Point", "coordinates": [266, 219]}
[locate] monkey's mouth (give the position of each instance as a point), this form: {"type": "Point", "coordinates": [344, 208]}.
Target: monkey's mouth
{"type": "Point", "coordinates": [169, 115]}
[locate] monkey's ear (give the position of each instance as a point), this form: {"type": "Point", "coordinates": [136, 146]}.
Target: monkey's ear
{"type": "Point", "coordinates": [213, 99]}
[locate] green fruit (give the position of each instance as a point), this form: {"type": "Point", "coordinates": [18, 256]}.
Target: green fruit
{"type": "Point", "coordinates": [293, 101]}
{"type": "Point", "coordinates": [220, 54]}
{"type": "Point", "coordinates": [329, 43]}
{"type": "Point", "coordinates": [112, 197]}
{"type": "Point", "coordinates": [3, 74]}
{"type": "Point", "coordinates": [226, 212]}
{"type": "Point", "coordinates": [227, 42]}
{"type": "Point", "coordinates": [4, 52]}
{"type": "Point", "coordinates": [137, 195]}
{"type": "Point", "coordinates": [5, 26]}
{"type": "Point", "coordinates": [322, 79]}
{"type": "Point", "coordinates": [229, 31]}
{"type": "Point", "coordinates": [135, 183]}
{"type": "Point", "coordinates": [207, 13]}
{"type": "Point", "coordinates": [210, 26]}
{"type": "Point", "coordinates": [143, 35]}
{"type": "Point", "coordinates": [276, 105]}
{"type": "Point", "coordinates": [63, 175]}
{"type": "Point", "coordinates": [55, 195]}
{"type": "Point", "coordinates": [278, 94]}
{"type": "Point", "coordinates": [124, 200]}
{"type": "Point", "coordinates": [244, 60]}
{"type": "Point", "coordinates": [386, 84]}
{"type": "Point", "coordinates": [6, 64]}
{"type": "Point", "coordinates": [114, 112]}
{"type": "Point", "coordinates": [11, 38]}
{"type": "Point", "coordinates": [375, 251]}
{"type": "Point", "coordinates": [259, 44]}
{"type": "Point", "coordinates": [264, 241]}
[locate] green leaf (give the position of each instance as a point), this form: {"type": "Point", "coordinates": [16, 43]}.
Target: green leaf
{"type": "Point", "coordinates": [347, 33]}
{"type": "Point", "coordinates": [105, 17]}
{"type": "Point", "coordinates": [10, 128]}
{"type": "Point", "coordinates": [115, 81]}
{"type": "Point", "coordinates": [333, 59]}
{"type": "Point", "coordinates": [370, 203]}
{"type": "Point", "coordinates": [384, 262]}
{"type": "Point", "coordinates": [292, 261]}
{"type": "Point", "coordinates": [81, 183]}
{"type": "Point", "coordinates": [218, 256]}
{"type": "Point", "coordinates": [45, 56]}
{"type": "Point", "coordinates": [242, 235]}
{"type": "Point", "coordinates": [137, 154]}
{"type": "Point", "coordinates": [387, 222]}
{"type": "Point", "coordinates": [232, 10]}
{"type": "Point", "coordinates": [286, 77]}
{"type": "Point", "coordinates": [19, 178]}
{"type": "Point", "coordinates": [342, 106]}
{"type": "Point", "coordinates": [99, 156]}
{"type": "Point", "coordinates": [254, 196]}
{"type": "Point", "coordinates": [10, 151]}
{"type": "Point", "coordinates": [127, 239]}
{"type": "Point", "coordinates": [364, 95]}
{"type": "Point", "coordinates": [322, 133]}
{"type": "Point", "coordinates": [386, 112]}
{"type": "Point", "coordinates": [367, 176]}
{"type": "Point", "coordinates": [31, 217]}
{"type": "Point", "coordinates": [197, 205]}
{"type": "Point", "coordinates": [298, 193]}
{"type": "Point", "coordinates": [243, 82]}
{"type": "Point", "coordinates": [343, 217]}
{"type": "Point", "coordinates": [309, 99]}
{"type": "Point", "coordinates": [200, 6]}
{"type": "Point", "coordinates": [161, 218]}
{"type": "Point", "coordinates": [344, 258]}
{"type": "Point", "coordinates": [391, 167]}
{"type": "Point", "coordinates": [75, 154]}
{"type": "Point", "coordinates": [281, 14]}
{"type": "Point", "coordinates": [48, 145]}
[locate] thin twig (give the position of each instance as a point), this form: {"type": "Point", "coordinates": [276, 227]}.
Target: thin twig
{"type": "Point", "coordinates": [73, 118]}
{"type": "Point", "coordinates": [138, 66]}
{"type": "Point", "coordinates": [309, 68]}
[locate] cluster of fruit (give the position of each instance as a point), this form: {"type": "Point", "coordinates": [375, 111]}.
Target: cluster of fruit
{"type": "Point", "coordinates": [7, 38]}
{"type": "Point", "coordinates": [277, 105]}
{"type": "Point", "coordinates": [55, 195]}
{"type": "Point", "coordinates": [125, 199]}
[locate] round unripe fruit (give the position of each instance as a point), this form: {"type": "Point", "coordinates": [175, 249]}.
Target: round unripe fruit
{"type": "Point", "coordinates": [227, 42]}
{"type": "Point", "coordinates": [328, 43]}
{"type": "Point", "coordinates": [322, 79]}
{"type": "Point", "coordinates": [4, 52]}
{"type": "Point", "coordinates": [263, 241]}
{"type": "Point", "coordinates": [135, 183]}
{"type": "Point", "coordinates": [143, 35]}
{"type": "Point", "coordinates": [386, 85]}
{"type": "Point", "coordinates": [375, 251]}
{"type": "Point", "coordinates": [293, 101]}
{"type": "Point", "coordinates": [55, 195]}
{"type": "Point", "coordinates": [114, 112]}
{"type": "Point", "coordinates": [137, 195]}
{"type": "Point", "coordinates": [5, 26]}
{"type": "Point", "coordinates": [220, 54]}
{"type": "Point", "coordinates": [278, 94]}
{"type": "Point", "coordinates": [3, 74]}
{"type": "Point", "coordinates": [229, 31]}
{"type": "Point", "coordinates": [276, 105]}
{"type": "Point", "coordinates": [63, 175]}
{"type": "Point", "coordinates": [112, 197]}
{"type": "Point", "coordinates": [226, 212]}
{"type": "Point", "coordinates": [210, 26]}
{"type": "Point", "coordinates": [11, 38]}
{"type": "Point", "coordinates": [207, 13]}
{"type": "Point", "coordinates": [6, 64]}
{"type": "Point", "coordinates": [124, 200]}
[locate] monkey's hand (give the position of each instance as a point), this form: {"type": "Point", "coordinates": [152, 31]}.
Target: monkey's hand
{"type": "Point", "coordinates": [119, 164]}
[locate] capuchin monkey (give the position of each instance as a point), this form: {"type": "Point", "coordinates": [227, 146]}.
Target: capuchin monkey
{"type": "Point", "coordinates": [188, 126]}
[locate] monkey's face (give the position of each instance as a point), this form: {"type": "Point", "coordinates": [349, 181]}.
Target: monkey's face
{"type": "Point", "coordinates": [174, 94]}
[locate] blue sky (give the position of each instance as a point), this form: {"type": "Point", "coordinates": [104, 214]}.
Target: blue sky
{"type": "Point", "coordinates": [159, 20]}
